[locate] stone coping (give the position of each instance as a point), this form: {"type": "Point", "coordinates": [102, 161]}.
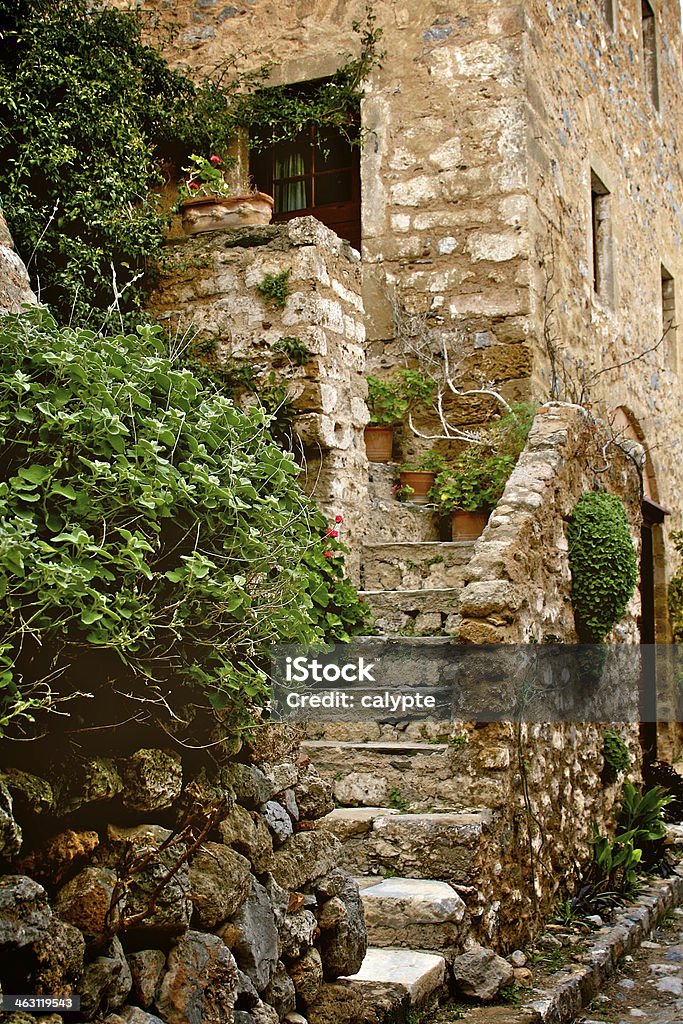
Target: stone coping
{"type": "Point", "coordinates": [574, 989]}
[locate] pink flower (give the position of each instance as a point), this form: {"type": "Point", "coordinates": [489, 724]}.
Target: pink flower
{"type": "Point", "coordinates": [339, 519]}
{"type": "Point", "coordinates": [192, 184]}
{"type": "Point", "coordinates": [216, 160]}
{"type": "Point", "coordinates": [331, 533]}
{"type": "Point", "coordinates": [327, 554]}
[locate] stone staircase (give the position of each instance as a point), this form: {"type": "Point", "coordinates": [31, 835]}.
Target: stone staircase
{"type": "Point", "coordinates": [416, 801]}
{"type": "Point", "coordinates": [411, 586]}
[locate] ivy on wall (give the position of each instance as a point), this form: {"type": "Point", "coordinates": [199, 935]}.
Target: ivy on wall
{"type": "Point", "coordinates": [603, 564]}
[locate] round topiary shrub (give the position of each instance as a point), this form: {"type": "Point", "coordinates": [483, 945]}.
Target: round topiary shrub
{"type": "Point", "coordinates": [603, 564]}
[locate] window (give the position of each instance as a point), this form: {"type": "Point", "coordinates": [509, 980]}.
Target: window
{"type": "Point", "coordinates": [649, 41]}
{"type": "Point", "coordinates": [669, 325]}
{"type": "Point", "coordinates": [317, 174]}
{"type": "Point", "coordinates": [601, 223]}
{"type": "Point", "coordinates": [608, 12]}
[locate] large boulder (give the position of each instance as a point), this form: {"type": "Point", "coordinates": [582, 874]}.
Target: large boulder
{"type": "Point", "coordinates": [307, 976]}
{"type": "Point", "coordinates": [200, 985]}
{"type": "Point", "coordinates": [220, 881]}
{"type": "Point", "coordinates": [343, 935]}
{"type": "Point", "coordinates": [30, 794]}
{"type": "Point", "coordinates": [280, 992]}
{"type": "Point", "coordinates": [248, 833]}
{"type": "Point", "coordinates": [313, 794]}
{"type": "Point", "coordinates": [297, 934]}
{"type": "Point", "coordinates": [338, 1002]}
{"type": "Point", "coordinates": [10, 832]}
{"type": "Point", "coordinates": [87, 902]}
{"type": "Point", "coordinates": [58, 960]}
{"type": "Point", "coordinates": [156, 904]}
{"type": "Point", "coordinates": [79, 782]}
{"type": "Point", "coordinates": [480, 974]}
{"type": "Point", "coordinates": [152, 780]}
{"type": "Point", "coordinates": [256, 948]}
{"type": "Point", "coordinates": [278, 821]}
{"type": "Point", "coordinates": [146, 968]}
{"type": "Point", "coordinates": [303, 857]}
{"type": "Point", "coordinates": [60, 856]}
{"type": "Point", "coordinates": [106, 981]}
{"type": "Point", "coordinates": [25, 916]}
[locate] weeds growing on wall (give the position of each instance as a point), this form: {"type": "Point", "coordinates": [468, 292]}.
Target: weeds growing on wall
{"type": "Point", "coordinates": [154, 538]}
{"type": "Point", "coordinates": [603, 564]}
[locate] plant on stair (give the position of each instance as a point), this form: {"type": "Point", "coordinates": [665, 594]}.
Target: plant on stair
{"type": "Point", "coordinates": [390, 401]}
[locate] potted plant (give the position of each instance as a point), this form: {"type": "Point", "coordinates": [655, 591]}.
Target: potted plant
{"type": "Point", "coordinates": [207, 202]}
{"type": "Point", "coordinates": [389, 402]}
{"type": "Point", "coordinates": [388, 405]}
{"type": "Point", "coordinates": [417, 479]}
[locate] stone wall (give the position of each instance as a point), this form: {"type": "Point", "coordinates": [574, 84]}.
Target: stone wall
{"type": "Point", "coordinates": [161, 888]}
{"type": "Point", "coordinates": [209, 289]}
{"type": "Point", "coordinates": [588, 109]}
{"type": "Point", "coordinates": [15, 287]}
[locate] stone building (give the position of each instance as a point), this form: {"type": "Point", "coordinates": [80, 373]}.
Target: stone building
{"type": "Point", "coordinates": [519, 194]}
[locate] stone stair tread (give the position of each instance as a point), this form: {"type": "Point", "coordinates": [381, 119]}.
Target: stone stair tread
{"type": "Point", "coordinates": [377, 746]}
{"type": "Point", "coordinates": [445, 545]}
{"type": "Point", "coordinates": [415, 900]}
{"type": "Point", "coordinates": [420, 974]}
{"type": "Point", "coordinates": [413, 594]}
{"type": "Point", "coordinates": [422, 641]}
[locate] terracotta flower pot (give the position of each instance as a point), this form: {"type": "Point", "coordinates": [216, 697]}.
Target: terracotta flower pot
{"type": "Point", "coordinates": [378, 443]}
{"type": "Point", "coordinates": [468, 525]}
{"type": "Point", "coordinates": [419, 482]}
{"type": "Point", "coordinates": [211, 213]}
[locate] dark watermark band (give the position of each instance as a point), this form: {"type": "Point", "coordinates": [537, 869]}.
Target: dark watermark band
{"type": "Point", "coordinates": [416, 679]}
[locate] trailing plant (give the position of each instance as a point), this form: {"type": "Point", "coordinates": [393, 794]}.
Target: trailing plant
{"type": "Point", "coordinates": [428, 462]}
{"type": "Point", "coordinates": [89, 116]}
{"type": "Point", "coordinates": [275, 288]}
{"type": "Point", "coordinates": [615, 754]}
{"type": "Point", "coordinates": [603, 564]}
{"type": "Point", "coordinates": [154, 539]}
{"type": "Point", "coordinates": [93, 121]}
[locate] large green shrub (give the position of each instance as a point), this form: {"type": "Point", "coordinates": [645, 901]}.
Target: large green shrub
{"type": "Point", "coordinates": [153, 539]}
{"type": "Point", "coordinates": [603, 564]}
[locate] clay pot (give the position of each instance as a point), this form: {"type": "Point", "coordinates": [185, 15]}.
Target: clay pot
{"type": "Point", "coordinates": [379, 443]}
{"type": "Point", "coordinates": [419, 482]}
{"type": "Point", "coordinates": [212, 213]}
{"type": "Point", "coordinates": [468, 525]}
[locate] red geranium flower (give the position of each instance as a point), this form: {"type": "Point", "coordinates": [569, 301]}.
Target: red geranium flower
{"type": "Point", "coordinates": [331, 533]}
{"type": "Point", "coordinates": [339, 519]}
{"type": "Point", "coordinates": [216, 159]}
{"type": "Point", "coordinates": [327, 554]}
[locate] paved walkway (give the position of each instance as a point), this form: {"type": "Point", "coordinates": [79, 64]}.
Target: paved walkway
{"type": "Point", "coordinates": [649, 987]}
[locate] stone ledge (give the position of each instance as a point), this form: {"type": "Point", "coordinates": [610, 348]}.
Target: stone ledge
{"type": "Point", "coordinates": [574, 990]}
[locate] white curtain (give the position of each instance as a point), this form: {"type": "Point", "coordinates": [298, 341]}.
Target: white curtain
{"type": "Point", "coordinates": [291, 194]}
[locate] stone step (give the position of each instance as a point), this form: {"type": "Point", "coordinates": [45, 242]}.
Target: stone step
{"type": "Point", "coordinates": [415, 913]}
{"type": "Point", "coordinates": [414, 612]}
{"type": "Point", "coordinates": [415, 565]}
{"type": "Point", "coordinates": [390, 520]}
{"type": "Point", "coordinates": [414, 776]}
{"type": "Point", "coordinates": [445, 846]}
{"type": "Point", "coordinates": [400, 984]}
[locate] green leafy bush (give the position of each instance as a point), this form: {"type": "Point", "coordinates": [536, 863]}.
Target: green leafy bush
{"type": "Point", "coordinates": [615, 755]}
{"type": "Point", "coordinates": [88, 116]}
{"type": "Point", "coordinates": [478, 477]}
{"type": "Point", "coordinates": [603, 564]}
{"type": "Point", "coordinates": [153, 539]}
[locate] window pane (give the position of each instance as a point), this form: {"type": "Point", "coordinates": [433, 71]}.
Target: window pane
{"type": "Point", "coordinates": [292, 158]}
{"type": "Point", "coordinates": [292, 195]}
{"type": "Point", "coordinates": [332, 150]}
{"type": "Point", "coordinates": [332, 188]}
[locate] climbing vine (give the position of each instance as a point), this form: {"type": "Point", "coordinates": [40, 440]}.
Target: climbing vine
{"type": "Point", "coordinates": [603, 564]}
{"type": "Point", "coordinates": [676, 593]}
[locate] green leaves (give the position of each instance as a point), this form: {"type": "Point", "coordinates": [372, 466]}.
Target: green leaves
{"type": "Point", "coordinates": [144, 517]}
{"type": "Point", "coordinates": [603, 564]}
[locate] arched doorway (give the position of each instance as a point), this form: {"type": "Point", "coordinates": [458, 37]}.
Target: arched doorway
{"type": "Point", "coordinates": [653, 622]}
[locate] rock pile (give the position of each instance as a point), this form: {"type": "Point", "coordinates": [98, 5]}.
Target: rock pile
{"type": "Point", "coordinates": [160, 892]}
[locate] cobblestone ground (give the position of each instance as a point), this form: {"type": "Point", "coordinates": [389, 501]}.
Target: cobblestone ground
{"type": "Point", "coordinates": [649, 986]}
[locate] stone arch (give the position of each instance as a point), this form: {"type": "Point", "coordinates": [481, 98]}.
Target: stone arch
{"type": "Point", "coordinates": [627, 427]}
